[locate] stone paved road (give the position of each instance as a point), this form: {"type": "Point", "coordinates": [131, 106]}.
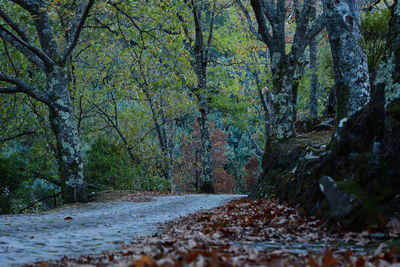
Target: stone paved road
{"type": "Point", "coordinates": [95, 227]}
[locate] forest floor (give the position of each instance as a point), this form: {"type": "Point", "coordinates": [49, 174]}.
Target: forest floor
{"type": "Point", "coordinates": [239, 233]}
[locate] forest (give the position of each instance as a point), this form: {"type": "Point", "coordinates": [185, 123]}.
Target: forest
{"type": "Point", "coordinates": [292, 100]}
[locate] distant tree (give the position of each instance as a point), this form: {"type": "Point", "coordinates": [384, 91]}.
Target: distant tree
{"type": "Point", "coordinates": [50, 60]}
{"type": "Point", "coordinates": [199, 43]}
{"type": "Point", "coordinates": [314, 71]}
{"type": "Point", "coordinates": [252, 172]}
{"type": "Point", "coordinates": [224, 182]}
{"type": "Point", "coordinates": [191, 165]}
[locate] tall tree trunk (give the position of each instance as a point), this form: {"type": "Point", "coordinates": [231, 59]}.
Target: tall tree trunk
{"type": "Point", "coordinates": [314, 72]}
{"type": "Point", "coordinates": [67, 138]}
{"type": "Point", "coordinates": [349, 59]}
{"type": "Point", "coordinates": [206, 179]}
{"type": "Point", "coordinates": [282, 81]}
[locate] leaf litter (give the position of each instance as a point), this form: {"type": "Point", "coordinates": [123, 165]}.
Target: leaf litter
{"type": "Point", "coordinates": [231, 235]}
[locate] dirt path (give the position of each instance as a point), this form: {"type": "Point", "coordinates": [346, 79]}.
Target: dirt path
{"type": "Point", "coordinates": [93, 228]}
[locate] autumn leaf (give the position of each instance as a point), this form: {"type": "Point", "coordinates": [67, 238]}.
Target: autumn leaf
{"type": "Point", "coordinates": [143, 261]}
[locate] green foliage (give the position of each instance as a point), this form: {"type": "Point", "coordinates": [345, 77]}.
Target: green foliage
{"type": "Point", "coordinates": [10, 179]}
{"type": "Point", "coordinates": [374, 27]}
{"type": "Point", "coordinates": [109, 167]}
{"type": "Point", "coordinates": [325, 83]}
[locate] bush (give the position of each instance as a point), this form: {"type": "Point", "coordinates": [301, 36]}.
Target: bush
{"type": "Point", "coordinates": [107, 166]}
{"type": "Point", "coordinates": [10, 180]}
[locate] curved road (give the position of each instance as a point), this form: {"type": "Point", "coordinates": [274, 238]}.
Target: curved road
{"type": "Point", "coordinates": [94, 227]}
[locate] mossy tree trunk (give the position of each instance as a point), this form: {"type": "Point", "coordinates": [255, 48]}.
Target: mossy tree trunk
{"type": "Point", "coordinates": [349, 59]}
{"type": "Point", "coordinates": [271, 21]}
{"type": "Point", "coordinates": [388, 79]}
{"type": "Point", "coordinates": [51, 60]}
{"type": "Point", "coordinates": [67, 138]}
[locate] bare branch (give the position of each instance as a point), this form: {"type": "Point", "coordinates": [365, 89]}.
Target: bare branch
{"type": "Point", "coordinates": [78, 25]}
{"type": "Point", "coordinates": [249, 21]}
{"type": "Point", "coordinates": [14, 26]}
{"type": "Point", "coordinates": [15, 136]}
{"type": "Point", "coordinates": [210, 35]}
{"type": "Point", "coordinates": [10, 90]}
{"type": "Point", "coordinates": [21, 46]}
{"type": "Point", "coordinates": [316, 27]}
{"type": "Point", "coordinates": [22, 87]}
{"type": "Point", "coordinates": [262, 23]}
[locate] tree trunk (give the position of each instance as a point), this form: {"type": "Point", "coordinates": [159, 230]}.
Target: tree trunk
{"type": "Point", "coordinates": [388, 80]}
{"type": "Point", "coordinates": [283, 119]}
{"type": "Point", "coordinates": [206, 181]}
{"type": "Point", "coordinates": [349, 59]}
{"type": "Point", "coordinates": [67, 138]}
{"type": "Point", "coordinates": [314, 73]}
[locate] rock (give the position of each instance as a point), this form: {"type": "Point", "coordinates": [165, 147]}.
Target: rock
{"type": "Point", "coordinates": [307, 125]}
{"type": "Point", "coordinates": [340, 202]}
{"type": "Point", "coordinates": [326, 125]}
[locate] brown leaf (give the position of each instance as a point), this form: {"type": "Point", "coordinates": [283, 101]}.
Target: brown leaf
{"type": "Point", "coordinates": [329, 260]}
{"type": "Point", "coordinates": [311, 261]}
{"type": "Point", "coordinates": [360, 262]}
{"type": "Point", "coordinates": [144, 261]}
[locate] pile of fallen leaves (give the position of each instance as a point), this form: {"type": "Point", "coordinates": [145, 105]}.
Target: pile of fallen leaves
{"type": "Point", "coordinates": [145, 196]}
{"type": "Point", "coordinates": [242, 233]}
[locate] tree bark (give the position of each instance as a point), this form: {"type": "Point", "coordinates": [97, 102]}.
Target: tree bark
{"type": "Point", "coordinates": [206, 179]}
{"type": "Point", "coordinates": [388, 81]}
{"type": "Point", "coordinates": [67, 138]}
{"type": "Point", "coordinates": [349, 59]}
{"type": "Point", "coordinates": [52, 63]}
{"type": "Point", "coordinates": [283, 109]}
{"type": "Point", "coordinates": [271, 20]}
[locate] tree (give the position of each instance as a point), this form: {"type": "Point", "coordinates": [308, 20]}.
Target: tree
{"type": "Point", "coordinates": [51, 59]}
{"type": "Point", "coordinates": [314, 72]}
{"type": "Point", "coordinates": [191, 166]}
{"type": "Point", "coordinates": [388, 84]}
{"type": "Point", "coordinates": [272, 18]}
{"type": "Point", "coordinates": [199, 47]}
{"type": "Point", "coordinates": [224, 182]}
{"type": "Point", "coordinates": [349, 59]}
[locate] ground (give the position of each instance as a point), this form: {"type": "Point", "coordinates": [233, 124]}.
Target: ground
{"type": "Point", "coordinates": [93, 227]}
{"type": "Point", "coordinates": [240, 232]}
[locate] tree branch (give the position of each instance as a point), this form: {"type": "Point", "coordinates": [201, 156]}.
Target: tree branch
{"type": "Point", "coordinates": [262, 23]}
{"type": "Point", "coordinates": [22, 46]}
{"type": "Point", "coordinates": [78, 25]}
{"type": "Point", "coordinates": [39, 200]}
{"type": "Point", "coordinates": [14, 26]}
{"type": "Point", "coordinates": [249, 21]}
{"type": "Point", "coordinates": [9, 138]}
{"type": "Point", "coordinates": [318, 25]}
{"type": "Point", "coordinates": [22, 87]}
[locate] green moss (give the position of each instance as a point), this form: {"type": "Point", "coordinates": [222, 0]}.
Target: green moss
{"type": "Point", "coordinates": [394, 110]}
{"type": "Point", "coordinates": [394, 243]}
{"type": "Point", "coordinates": [367, 213]}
